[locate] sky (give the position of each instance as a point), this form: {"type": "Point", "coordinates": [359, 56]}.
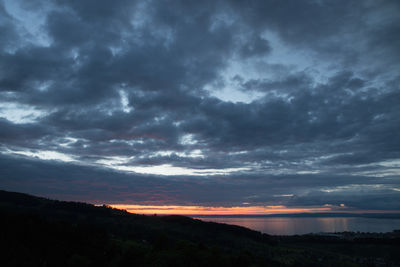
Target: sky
{"type": "Point", "coordinates": [212, 106]}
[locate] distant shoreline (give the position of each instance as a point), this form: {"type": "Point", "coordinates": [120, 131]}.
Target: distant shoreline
{"type": "Point", "coordinates": [307, 215]}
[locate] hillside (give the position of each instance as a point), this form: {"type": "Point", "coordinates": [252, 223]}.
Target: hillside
{"type": "Point", "coordinates": [43, 232]}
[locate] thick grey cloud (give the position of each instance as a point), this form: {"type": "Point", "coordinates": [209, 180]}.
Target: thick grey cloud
{"type": "Point", "coordinates": [285, 98]}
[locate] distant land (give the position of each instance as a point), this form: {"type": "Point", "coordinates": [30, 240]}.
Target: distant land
{"type": "Point", "coordinates": [303, 215]}
{"type": "Point", "coordinates": [43, 232]}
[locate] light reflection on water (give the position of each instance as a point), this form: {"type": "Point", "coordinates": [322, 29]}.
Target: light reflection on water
{"type": "Point", "coordinates": [293, 226]}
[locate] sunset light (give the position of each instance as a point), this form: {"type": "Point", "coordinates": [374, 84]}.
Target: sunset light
{"type": "Point", "coordinates": [153, 133]}
{"type": "Point", "coordinates": [201, 210]}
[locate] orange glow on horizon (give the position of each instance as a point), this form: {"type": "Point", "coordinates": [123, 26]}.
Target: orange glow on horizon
{"type": "Point", "coordinates": [201, 210]}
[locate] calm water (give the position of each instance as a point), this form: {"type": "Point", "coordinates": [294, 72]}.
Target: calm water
{"type": "Point", "coordinates": [293, 226]}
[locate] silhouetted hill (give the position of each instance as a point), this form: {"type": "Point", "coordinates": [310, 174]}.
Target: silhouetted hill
{"type": "Point", "coordinates": [42, 232]}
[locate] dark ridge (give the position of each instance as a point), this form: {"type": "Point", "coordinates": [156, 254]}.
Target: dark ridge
{"type": "Point", "coordinates": [43, 232]}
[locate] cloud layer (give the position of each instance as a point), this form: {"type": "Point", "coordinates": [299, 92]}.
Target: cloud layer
{"type": "Point", "coordinates": [212, 103]}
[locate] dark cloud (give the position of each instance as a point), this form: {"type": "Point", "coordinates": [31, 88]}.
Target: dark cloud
{"type": "Point", "coordinates": [97, 185]}
{"type": "Point", "coordinates": [135, 84]}
{"type": "Point", "coordinates": [370, 199]}
{"type": "Point", "coordinates": [254, 46]}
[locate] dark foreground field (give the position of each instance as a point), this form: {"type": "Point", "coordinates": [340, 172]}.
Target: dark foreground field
{"type": "Point", "coordinates": [41, 232]}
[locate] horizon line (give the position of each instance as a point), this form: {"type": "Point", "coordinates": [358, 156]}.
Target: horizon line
{"type": "Point", "coordinates": [239, 210]}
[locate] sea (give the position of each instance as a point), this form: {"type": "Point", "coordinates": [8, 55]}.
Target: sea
{"type": "Point", "coordinates": [306, 225]}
